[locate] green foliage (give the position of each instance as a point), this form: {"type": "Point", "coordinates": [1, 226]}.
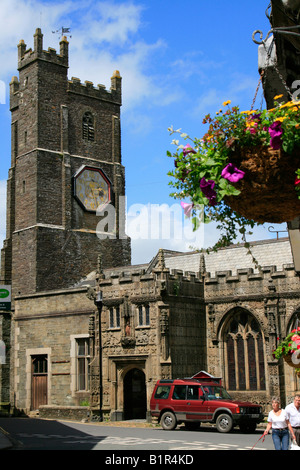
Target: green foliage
{"type": "Point", "coordinates": [289, 345]}
{"type": "Point", "coordinates": [206, 162]}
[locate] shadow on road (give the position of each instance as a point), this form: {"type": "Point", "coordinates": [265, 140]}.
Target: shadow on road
{"type": "Point", "coordinates": [37, 434]}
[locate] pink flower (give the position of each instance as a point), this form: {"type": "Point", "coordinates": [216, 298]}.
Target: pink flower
{"type": "Point", "coordinates": [232, 174]}
{"type": "Point", "coordinates": [188, 149]}
{"type": "Point", "coordinates": [296, 339]}
{"type": "Point", "coordinates": [187, 208]}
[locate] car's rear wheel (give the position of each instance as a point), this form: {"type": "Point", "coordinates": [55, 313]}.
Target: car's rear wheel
{"type": "Point", "coordinates": [168, 421]}
{"type": "Point", "coordinates": [224, 423]}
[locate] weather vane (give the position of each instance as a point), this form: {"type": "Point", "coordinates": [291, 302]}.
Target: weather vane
{"type": "Point", "coordinates": [63, 32]}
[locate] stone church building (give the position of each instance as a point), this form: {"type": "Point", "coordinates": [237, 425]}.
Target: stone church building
{"type": "Point", "coordinates": [88, 332]}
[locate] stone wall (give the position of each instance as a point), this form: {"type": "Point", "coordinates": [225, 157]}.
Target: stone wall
{"type": "Point", "coordinates": [5, 338]}
{"type": "Point", "coordinates": [272, 297]}
{"type": "Point", "coordinates": [49, 323]}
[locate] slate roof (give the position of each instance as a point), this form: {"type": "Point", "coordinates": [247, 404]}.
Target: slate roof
{"type": "Point", "coordinates": [268, 253]}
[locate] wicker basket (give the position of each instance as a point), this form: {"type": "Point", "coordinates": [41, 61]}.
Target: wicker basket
{"type": "Point", "coordinates": [268, 188]}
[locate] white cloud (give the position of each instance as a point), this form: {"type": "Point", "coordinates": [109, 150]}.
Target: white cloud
{"type": "Point", "coordinates": [154, 226]}
{"type": "Point", "coordinates": [105, 37]}
{"type": "Point", "coordinates": [18, 20]}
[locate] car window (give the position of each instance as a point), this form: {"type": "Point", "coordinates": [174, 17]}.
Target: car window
{"type": "Point", "coordinates": [162, 392]}
{"type": "Point", "coordinates": [214, 392]}
{"type": "Point", "coordinates": [179, 392]}
{"type": "Point", "coordinates": [193, 392]}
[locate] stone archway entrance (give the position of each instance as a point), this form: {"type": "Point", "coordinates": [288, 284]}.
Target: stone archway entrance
{"type": "Point", "coordinates": [135, 402]}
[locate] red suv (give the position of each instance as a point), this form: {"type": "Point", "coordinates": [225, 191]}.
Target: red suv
{"type": "Point", "coordinates": [202, 399]}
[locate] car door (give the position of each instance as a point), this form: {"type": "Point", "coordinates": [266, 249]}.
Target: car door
{"type": "Point", "coordinates": [178, 402]}
{"type": "Point", "coordinates": [211, 401]}
{"type": "Point", "coordinates": [195, 404]}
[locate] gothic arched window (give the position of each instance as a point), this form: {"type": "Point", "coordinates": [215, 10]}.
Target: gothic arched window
{"type": "Point", "coordinates": [295, 321]}
{"type": "Point", "coordinates": [244, 353]}
{"type": "Point", "coordinates": [88, 128]}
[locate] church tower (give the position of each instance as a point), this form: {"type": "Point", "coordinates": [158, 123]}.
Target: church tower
{"type": "Point", "coordinates": [65, 164]}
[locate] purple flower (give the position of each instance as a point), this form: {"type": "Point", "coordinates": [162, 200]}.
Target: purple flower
{"type": "Point", "coordinates": [275, 131]}
{"type": "Point", "coordinates": [232, 173]}
{"type": "Point", "coordinates": [207, 188]}
{"type": "Point", "coordinates": [188, 149]}
{"type": "Point", "coordinates": [184, 174]}
{"type": "Point", "coordinates": [187, 208]}
{"type": "Point", "coordinates": [254, 116]}
{"type": "Point", "coordinates": [276, 143]}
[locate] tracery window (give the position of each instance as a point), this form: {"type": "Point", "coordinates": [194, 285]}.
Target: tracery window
{"type": "Point", "coordinates": [244, 353]}
{"type": "Point", "coordinates": [88, 129]}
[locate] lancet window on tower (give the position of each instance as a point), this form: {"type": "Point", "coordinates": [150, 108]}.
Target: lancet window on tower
{"type": "Point", "coordinates": [88, 128]}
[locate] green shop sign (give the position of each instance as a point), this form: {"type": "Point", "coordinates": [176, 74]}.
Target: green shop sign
{"type": "Point", "coordinates": [5, 297]}
{"type": "Point", "coordinates": [4, 293]}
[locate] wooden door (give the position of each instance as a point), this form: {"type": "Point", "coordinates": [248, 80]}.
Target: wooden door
{"type": "Point", "coordinates": [39, 381]}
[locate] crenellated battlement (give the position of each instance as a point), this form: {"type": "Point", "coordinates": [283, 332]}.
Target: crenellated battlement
{"type": "Point", "coordinates": [248, 274]}
{"type": "Point", "coordinates": [100, 92]}
{"type": "Point", "coordinates": [220, 277]}
{"type": "Point", "coordinates": [140, 275]}
{"type": "Point", "coordinates": [87, 89]}
{"type": "Point", "coordinates": [26, 56]}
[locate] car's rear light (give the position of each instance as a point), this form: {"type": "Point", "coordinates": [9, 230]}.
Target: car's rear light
{"type": "Point", "coordinates": [237, 410]}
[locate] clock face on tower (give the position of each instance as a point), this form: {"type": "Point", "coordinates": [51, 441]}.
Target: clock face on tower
{"type": "Point", "coordinates": [92, 188]}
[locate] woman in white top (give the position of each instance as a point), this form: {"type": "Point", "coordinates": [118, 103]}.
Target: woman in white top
{"type": "Point", "coordinates": [277, 420]}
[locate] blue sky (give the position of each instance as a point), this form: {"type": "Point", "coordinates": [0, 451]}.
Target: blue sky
{"type": "Point", "coordinates": [178, 61]}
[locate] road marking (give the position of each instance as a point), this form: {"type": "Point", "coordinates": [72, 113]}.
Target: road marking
{"type": "Point", "coordinates": [175, 444]}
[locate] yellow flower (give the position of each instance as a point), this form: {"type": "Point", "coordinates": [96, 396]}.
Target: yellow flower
{"type": "Point", "coordinates": [281, 118]}
{"type": "Point", "coordinates": [286, 105]}
{"type": "Point", "coordinates": [277, 97]}
{"type": "Point", "coordinates": [226, 102]}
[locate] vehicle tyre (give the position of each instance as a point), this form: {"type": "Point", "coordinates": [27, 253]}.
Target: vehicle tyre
{"type": "Point", "coordinates": [224, 423]}
{"type": "Point", "coordinates": [247, 427]}
{"type": "Point", "coordinates": [168, 421]}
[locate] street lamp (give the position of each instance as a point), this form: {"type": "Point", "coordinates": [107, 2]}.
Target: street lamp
{"type": "Point", "coordinates": [99, 305]}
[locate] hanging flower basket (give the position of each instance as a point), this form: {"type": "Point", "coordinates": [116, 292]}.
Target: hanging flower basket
{"type": "Point", "coordinates": [243, 172]}
{"type": "Point", "coordinates": [289, 347]}
{"type": "Point", "coordinates": [267, 191]}
{"type": "Point", "coordinates": [289, 361]}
